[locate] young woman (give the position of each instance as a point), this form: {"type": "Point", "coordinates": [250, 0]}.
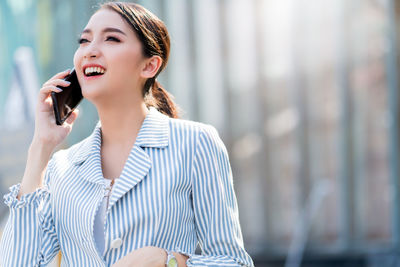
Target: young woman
{"type": "Point", "coordinates": [146, 187]}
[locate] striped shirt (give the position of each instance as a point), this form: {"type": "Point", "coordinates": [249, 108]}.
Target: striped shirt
{"type": "Point", "coordinates": [175, 192]}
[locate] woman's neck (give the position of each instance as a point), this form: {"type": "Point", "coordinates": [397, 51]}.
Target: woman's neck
{"type": "Point", "coordinates": [120, 125]}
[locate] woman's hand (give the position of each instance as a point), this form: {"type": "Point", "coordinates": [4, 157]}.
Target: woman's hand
{"type": "Point", "coordinates": [47, 132]}
{"type": "Point", "coordinates": [148, 257]}
{"type": "Point", "coordinates": [144, 257]}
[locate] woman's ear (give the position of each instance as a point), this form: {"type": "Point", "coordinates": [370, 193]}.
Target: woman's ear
{"type": "Point", "coordinates": [151, 66]}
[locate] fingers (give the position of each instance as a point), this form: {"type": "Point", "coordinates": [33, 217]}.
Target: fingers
{"type": "Point", "coordinates": [70, 120]}
{"type": "Point", "coordinates": [52, 83]}
{"type": "Point", "coordinates": [61, 75]}
{"type": "Point", "coordinates": [59, 82]}
{"type": "Point", "coordinates": [46, 90]}
{"type": "Point", "coordinates": [73, 116]}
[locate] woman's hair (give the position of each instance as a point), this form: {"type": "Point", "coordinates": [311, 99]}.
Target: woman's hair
{"type": "Point", "coordinates": [154, 37]}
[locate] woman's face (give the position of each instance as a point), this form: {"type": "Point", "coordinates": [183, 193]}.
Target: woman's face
{"type": "Point", "coordinates": [109, 60]}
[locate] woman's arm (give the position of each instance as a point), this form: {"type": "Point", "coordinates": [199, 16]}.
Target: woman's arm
{"type": "Point", "coordinates": [47, 135]}
{"type": "Point", "coordinates": [215, 205]}
{"type": "Point", "coordinates": [29, 237]}
{"type": "Point", "coordinates": [38, 156]}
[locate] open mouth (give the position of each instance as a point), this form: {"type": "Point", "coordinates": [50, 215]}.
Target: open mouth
{"type": "Point", "coordinates": [94, 71]}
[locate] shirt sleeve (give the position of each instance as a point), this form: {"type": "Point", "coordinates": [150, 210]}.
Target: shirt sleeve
{"type": "Point", "coordinates": [29, 237]}
{"type": "Point", "coordinates": [215, 206]}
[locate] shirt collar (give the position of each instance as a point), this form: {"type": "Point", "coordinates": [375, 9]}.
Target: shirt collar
{"type": "Point", "coordinates": [154, 132]}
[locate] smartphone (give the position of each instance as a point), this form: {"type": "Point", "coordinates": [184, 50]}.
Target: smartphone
{"type": "Point", "coordinates": [66, 101]}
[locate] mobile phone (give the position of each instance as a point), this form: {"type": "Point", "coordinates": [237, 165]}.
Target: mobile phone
{"type": "Point", "coordinates": [66, 101]}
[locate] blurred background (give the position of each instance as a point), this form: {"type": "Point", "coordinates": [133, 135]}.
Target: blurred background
{"type": "Point", "coordinates": [304, 94]}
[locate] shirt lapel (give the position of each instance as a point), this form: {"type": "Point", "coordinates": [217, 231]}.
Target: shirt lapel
{"type": "Point", "coordinates": [154, 133]}
{"type": "Point", "coordinates": [89, 158]}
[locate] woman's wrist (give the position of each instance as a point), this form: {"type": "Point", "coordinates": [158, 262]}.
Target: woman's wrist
{"type": "Point", "coordinates": [42, 144]}
{"type": "Point", "coordinates": [38, 157]}
{"type": "Point", "coordinates": [40, 148]}
{"type": "Point", "coordinates": [180, 258]}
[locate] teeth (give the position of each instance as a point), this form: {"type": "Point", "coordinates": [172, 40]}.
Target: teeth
{"type": "Point", "coordinates": [90, 70]}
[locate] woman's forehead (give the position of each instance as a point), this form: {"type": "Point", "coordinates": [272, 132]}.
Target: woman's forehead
{"type": "Point", "coordinates": [106, 19]}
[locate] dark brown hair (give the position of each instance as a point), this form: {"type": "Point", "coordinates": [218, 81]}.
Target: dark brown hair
{"type": "Point", "coordinates": [154, 37]}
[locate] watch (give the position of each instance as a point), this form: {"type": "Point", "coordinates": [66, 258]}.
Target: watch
{"type": "Point", "coordinates": [171, 260]}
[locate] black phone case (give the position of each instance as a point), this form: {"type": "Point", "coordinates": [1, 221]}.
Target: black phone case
{"type": "Point", "coordinates": [66, 101]}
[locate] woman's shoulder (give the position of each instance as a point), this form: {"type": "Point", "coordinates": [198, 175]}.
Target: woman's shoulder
{"type": "Point", "coordinates": [178, 126]}
{"type": "Point", "coordinates": [200, 129]}
{"type": "Point", "coordinates": [191, 126]}
{"type": "Point", "coordinates": [205, 137]}
{"type": "Point", "coordinates": [76, 152]}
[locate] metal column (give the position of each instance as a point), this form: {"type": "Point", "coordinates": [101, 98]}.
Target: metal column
{"type": "Point", "coordinates": [393, 87]}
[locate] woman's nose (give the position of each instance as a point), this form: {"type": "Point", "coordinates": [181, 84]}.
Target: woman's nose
{"type": "Point", "coordinates": [91, 52]}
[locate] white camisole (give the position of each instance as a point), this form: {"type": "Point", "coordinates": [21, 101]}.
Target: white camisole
{"type": "Point", "coordinates": [100, 217]}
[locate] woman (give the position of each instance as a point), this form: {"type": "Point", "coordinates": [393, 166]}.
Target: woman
{"type": "Point", "coordinates": [146, 187]}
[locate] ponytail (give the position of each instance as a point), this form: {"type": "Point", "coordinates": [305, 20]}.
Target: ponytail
{"type": "Point", "coordinates": [162, 100]}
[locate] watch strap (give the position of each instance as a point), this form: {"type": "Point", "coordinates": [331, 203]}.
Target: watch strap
{"type": "Point", "coordinates": [171, 260]}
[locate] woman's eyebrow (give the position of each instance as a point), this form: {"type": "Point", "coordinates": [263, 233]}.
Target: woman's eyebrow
{"type": "Point", "coordinates": [109, 29]}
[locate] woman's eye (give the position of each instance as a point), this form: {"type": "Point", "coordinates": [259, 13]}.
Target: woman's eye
{"type": "Point", "coordinates": [82, 40]}
{"type": "Point", "coordinates": [110, 38]}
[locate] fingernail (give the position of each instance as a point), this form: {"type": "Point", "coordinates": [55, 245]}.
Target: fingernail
{"type": "Point", "coordinates": [58, 89]}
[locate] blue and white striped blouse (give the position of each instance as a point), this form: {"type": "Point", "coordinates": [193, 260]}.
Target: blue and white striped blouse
{"type": "Point", "coordinates": [175, 191]}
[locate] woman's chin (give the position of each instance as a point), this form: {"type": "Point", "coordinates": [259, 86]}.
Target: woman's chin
{"type": "Point", "coordinates": [92, 94]}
